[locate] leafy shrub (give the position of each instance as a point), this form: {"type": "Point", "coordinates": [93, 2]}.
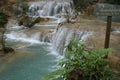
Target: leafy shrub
{"type": "Point", "coordinates": [3, 18]}
{"type": "Point", "coordinates": [91, 64]}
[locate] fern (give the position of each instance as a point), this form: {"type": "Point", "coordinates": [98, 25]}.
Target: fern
{"type": "Point", "coordinates": [93, 64]}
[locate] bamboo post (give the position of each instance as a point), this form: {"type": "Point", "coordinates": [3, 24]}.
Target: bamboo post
{"type": "Point", "coordinates": [108, 30]}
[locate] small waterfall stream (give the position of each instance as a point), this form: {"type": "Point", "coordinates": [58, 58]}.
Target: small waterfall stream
{"type": "Point", "coordinates": [62, 37]}
{"type": "Point", "coordinates": [33, 59]}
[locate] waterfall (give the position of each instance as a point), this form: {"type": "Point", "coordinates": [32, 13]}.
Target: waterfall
{"type": "Point", "coordinates": [63, 36]}
{"type": "Point", "coordinates": [82, 35]}
{"type": "Point", "coordinates": [49, 8]}
{"type": "Point", "coordinates": [59, 38]}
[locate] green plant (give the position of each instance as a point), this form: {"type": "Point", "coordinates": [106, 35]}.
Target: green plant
{"type": "Point", "coordinates": [3, 19]}
{"type": "Point", "coordinates": [83, 64]}
{"type": "Point", "coordinates": [113, 1]}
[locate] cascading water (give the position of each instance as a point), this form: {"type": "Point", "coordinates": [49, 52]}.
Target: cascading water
{"type": "Point", "coordinates": [41, 56]}
{"type": "Point", "coordinates": [62, 37]}
{"type": "Point", "coordinates": [32, 61]}
{"type": "Point", "coordinates": [49, 8]}
{"type": "Point", "coordinates": [34, 38]}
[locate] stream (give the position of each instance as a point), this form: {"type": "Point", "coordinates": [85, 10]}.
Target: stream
{"type": "Point", "coordinates": [34, 57]}
{"type": "Point", "coordinates": [37, 50]}
{"type": "Point", "coordinates": [33, 65]}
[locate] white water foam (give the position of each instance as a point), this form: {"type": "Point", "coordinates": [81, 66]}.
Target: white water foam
{"type": "Point", "coordinates": [50, 48]}
{"type": "Point", "coordinates": [16, 27]}
{"type": "Point", "coordinates": [33, 39]}
{"type": "Point", "coordinates": [49, 8]}
{"type": "Point", "coordinates": [63, 36]}
{"type": "Point", "coordinates": [57, 58]}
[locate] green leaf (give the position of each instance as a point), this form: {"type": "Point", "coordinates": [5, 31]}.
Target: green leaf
{"type": "Point", "coordinates": [92, 63]}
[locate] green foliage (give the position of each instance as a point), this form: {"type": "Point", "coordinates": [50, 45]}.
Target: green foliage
{"type": "Point", "coordinates": [113, 1]}
{"type": "Point", "coordinates": [3, 18]}
{"type": "Point", "coordinates": [92, 63]}
{"type": "Point", "coordinates": [95, 66]}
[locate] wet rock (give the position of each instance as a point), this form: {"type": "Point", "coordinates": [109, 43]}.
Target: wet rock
{"type": "Point", "coordinates": [46, 39]}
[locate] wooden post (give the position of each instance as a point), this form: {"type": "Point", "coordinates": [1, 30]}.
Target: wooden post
{"type": "Point", "coordinates": [108, 30]}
